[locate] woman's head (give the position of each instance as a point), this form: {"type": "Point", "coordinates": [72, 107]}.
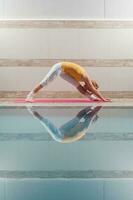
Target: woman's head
{"type": "Point", "coordinates": [95, 84]}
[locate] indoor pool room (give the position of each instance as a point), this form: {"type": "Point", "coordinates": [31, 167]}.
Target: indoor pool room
{"type": "Point", "coordinates": [66, 100]}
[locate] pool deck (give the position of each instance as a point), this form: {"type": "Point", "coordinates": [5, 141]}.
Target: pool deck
{"type": "Point", "coordinates": [114, 103]}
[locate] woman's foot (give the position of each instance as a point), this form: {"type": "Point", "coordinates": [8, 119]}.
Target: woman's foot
{"type": "Point", "coordinates": [29, 97]}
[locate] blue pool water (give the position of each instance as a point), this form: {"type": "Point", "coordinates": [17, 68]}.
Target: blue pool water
{"type": "Point", "coordinates": [66, 153]}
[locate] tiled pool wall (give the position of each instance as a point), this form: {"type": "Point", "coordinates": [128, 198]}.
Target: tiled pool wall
{"type": "Point", "coordinates": [66, 189]}
{"type": "Point", "coordinates": [28, 151]}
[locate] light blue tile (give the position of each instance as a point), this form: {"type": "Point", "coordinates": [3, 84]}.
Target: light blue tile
{"type": "Point", "coordinates": [110, 121]}
{"type": "Point", "coordinates": [2, 189]}
{"type": "Point", "coordinates": [53, 190]}
{"type": "Point", "coordinates": [118, 190]}
{"type": "Point", "coordinates": [50, 155]}
{"type": "Point", "coordinates": [9, 155]}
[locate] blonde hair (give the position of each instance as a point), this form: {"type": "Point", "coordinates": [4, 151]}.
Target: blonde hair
{"type": "Point", "coordinates": [95, 84]}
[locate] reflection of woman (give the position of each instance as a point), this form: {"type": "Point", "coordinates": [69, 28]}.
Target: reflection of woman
{"type": "Point", "coordinates": [74, 129]}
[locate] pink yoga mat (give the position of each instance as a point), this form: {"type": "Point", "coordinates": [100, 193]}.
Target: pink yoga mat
{"type": "Point", "coordinates": [59, 100]}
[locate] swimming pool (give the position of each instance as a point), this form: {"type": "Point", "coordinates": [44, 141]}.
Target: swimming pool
{"type": "Point", "coordinates": [84, 152]}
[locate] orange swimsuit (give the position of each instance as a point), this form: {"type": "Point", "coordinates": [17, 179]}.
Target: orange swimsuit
{"type": "Point", "coordinates": [73, 70]}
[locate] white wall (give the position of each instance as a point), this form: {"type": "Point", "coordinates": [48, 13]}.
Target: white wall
{"type": "Point", "coordinates": [119, 9]}
{"type": "Point", "coordinates": [25, 78]}
{"type": "Point", "coordinates": [66, 43]}
{"type": "Point", "coordinates": [1, 9]}
{"type": "Point", "coordinates": [51, 9]}
{"type": "Point", "coordinates": [62, 9]}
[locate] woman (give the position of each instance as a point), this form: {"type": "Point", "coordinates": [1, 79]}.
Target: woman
{"type": "Point", "coordinates": [74, 74]}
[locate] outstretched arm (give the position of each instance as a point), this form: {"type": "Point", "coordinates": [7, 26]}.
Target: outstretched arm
{"type": "Point", "coordinates": [91, 88]}
{"type": "Point", "coordinates": [76, 128]}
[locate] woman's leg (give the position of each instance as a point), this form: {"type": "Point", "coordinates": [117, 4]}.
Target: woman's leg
{"type": "Point", "coordinates": [51, 75]}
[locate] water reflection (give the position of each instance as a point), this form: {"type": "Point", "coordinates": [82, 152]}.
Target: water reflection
{"type": "Point", "coordinates": [74, 129]}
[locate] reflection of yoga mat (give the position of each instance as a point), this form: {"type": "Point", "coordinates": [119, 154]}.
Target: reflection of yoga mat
{"type": "Point", "coordinates": [59, 100]}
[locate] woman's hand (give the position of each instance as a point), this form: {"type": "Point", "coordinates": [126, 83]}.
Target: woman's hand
{"type": "Point", "coordinates": [106, 100]}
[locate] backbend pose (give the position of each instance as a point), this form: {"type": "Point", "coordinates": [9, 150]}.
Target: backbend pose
{"type": "Point", "coordinates": [74, 74]}
{"type": "Point", "coordinates": [74, 129]}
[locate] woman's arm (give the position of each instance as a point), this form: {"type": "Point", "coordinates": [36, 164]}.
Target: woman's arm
{"type": "Point", "coordinates": [93, 89]}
